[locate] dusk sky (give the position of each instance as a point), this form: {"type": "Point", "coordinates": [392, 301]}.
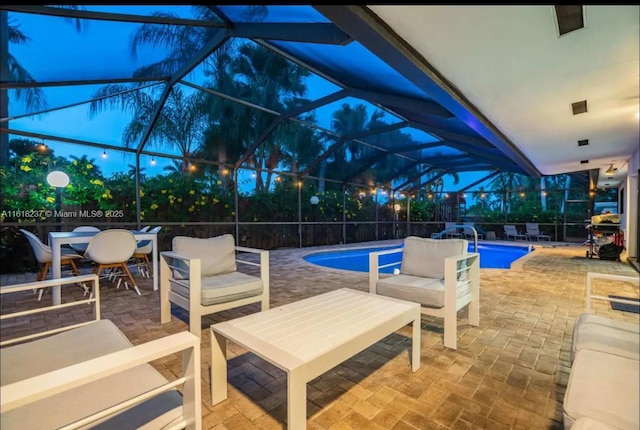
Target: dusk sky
{"type": "Point", "coordinates": [102, 51]}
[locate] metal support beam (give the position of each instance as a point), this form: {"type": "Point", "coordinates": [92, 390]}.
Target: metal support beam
{"type": "Point", "coordinates": [432, 179]}
{"type": "Point", "coordinates": [304, 32]}
{"type": "Point", "coordinates": [286, 115]}
{"type": "Point", "coordinates": [391, 101]}
{"type": "Point", "coordinates": [413, 178]}
{"type": "Point", "coordinates": [375, 35]}
{"type": "Point", "coordinates": [108, 16]}
{"type": "Point", "coordinates": [323, 156]}
{"type": "Point", "coordinates": [214, 43]}
{"type": "Point", "coordinates": [479, 181]}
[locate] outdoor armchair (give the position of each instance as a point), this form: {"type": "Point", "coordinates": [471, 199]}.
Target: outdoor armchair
{"type": "Point", "coordinates": [85, 373]}
{"type": "Point", "coordinates": [201, 276]}
{"type": "Point", "coordinates": [439, 274]}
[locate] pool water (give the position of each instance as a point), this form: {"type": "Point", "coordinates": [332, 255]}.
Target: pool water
{"type": "Point", "coordinates": [492, 256]}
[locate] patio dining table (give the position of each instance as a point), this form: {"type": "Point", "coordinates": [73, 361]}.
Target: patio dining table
{"type": "Point", "coordinates": [57, 239]}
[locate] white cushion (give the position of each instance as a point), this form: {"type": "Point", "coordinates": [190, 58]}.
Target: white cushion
{"type": "Point", "coordinates": [217, 254]}
{"type": "Point", "coordinates": [426, 291]}
{"type": "Point", "coordinates": [425, 257]}
{"type": "Point", "coordinates": [590, 424]}
{"type": "Point", "coordinates": [607, 335]}
{"type": "Point", "coordinates": [77, 345]}
{"type": "Point", "coordinates": [223, 288]}
{"type": "Point", "coordinates": [603, 387]}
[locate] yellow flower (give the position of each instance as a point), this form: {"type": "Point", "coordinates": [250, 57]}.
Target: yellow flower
{"type": "Point", "coordinates": [141, 193]}
{"type": "Point", "coordinates": [96, 182]}
{"type": "Point", "coordinates": [51, 199]}
{"type": "Point", "coordinates": [154, 206]}
{"type": "Point", "coordinates": [25, 168]}
{"type": "Point", "coordinates": [192, 208]}
{"type": "Point", "coordinates": [219, 182]}
{"type": "Point", "coordinates": [197, 203]}
{"type": "Point", "coordinates": [163, 191]}
{"type": "Point", "coordinates": [75, 162]}
{"type": "Point", "coordinates": [179, 199]}
{"type": "Point", "coordinates": [89, 166]}
{"type": "Point", "coordinates": [26, 159]}
{"type": "Point", "coordinates": [192, 192]}
{"type": "Point", "coordinates": [226, 206]}
{"type": "Point", "coordinates": [216, 200]}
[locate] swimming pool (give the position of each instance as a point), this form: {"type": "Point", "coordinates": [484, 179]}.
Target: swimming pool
{"type": "Point", "coordinates": [492, 256]}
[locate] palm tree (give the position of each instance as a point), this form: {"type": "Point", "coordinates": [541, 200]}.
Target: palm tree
{"type": "Point", "coordinates": [271, 81]}
{"type": "Point", "coordinates": [506, 182]}
{"type": "Point", "coordinates": [181, 123]}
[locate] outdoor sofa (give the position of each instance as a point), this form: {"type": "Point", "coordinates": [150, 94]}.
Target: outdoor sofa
{"type": "Point", "coordinates": [603, 386]}
{"type": "Point", "coordinates": [88, 375]}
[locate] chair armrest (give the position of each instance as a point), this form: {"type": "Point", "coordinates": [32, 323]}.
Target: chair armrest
{"type": "Point", "coordinates": [57, 381]}
{"type": "Point", "coordinates": [472, 260]}
{"type": "Point", "coordinates": [374, 266]}
{"type": "Point", "coordinates": [264, 264]}
{"type": "Point", "coordinates": [453, 281]}
{"type": "Point", "coordinates": [595, 275]}
{"type": "Point", "coordinates": [94, 298]}
{"type": "Point", "coordinates": [190, 262]}
{"type": "Point", "coordinates": [253, 250]}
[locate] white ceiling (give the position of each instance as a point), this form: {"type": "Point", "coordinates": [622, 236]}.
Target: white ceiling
{"type": "Point", "coordinates": [510, 63]}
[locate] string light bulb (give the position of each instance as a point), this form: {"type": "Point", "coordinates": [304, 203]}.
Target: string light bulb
{"type": "Point", "coordinates": [104, 153]}
{"type": "Point", "coordinates": [153, 161]}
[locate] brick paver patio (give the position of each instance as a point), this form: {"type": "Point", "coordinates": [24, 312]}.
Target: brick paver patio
{"type": "Point", "coordinates": [510, 372]}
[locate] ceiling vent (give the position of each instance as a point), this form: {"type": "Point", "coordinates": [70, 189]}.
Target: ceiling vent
{"type": "Point", "coordinates": [569, 18]}
{"type": "Point", "coordinates": [583, 142]}
{"type": "Point", "coordinates": [584, 161]}
{"type": "Point", "coordinates": [579, 107]}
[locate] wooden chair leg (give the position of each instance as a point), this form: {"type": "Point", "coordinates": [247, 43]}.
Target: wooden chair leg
{"type": "Point", "coordinates": [126, 271]}
{"type": "Point", "coordinates": [43, 271]}
{"type": "Point", "coordinates": [74, 267]}
{"type": "Point", "coordinates": [148, 264]}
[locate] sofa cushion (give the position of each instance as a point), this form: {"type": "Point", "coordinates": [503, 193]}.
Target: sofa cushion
{"type": "Point", "coordinates": [426, 291]}
{"type": "Point", "coordinates": [590, 424]}
{"type": "Point", "coordinates": [74, 346]}
{"type": "Point", "coordinates": [425, 257]}
{"type": "Point", "coordinates": [222, 288]}
{"type": "Point", "coordinates": [603, 387]}
{"type": "Point", "coordinates": [217, 254]}
{"type": "Point", "coordinates": [604, 334]}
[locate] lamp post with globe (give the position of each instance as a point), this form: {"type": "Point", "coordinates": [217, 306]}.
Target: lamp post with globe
{"type": "Point", "coordinates": [396, 209]}
{"type": "Point", "coordinates": [59, 180]}
{"type": "Point", "coordinates": [314, 200]}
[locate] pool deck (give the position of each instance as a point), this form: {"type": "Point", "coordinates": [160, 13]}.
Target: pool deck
{"type": "Point", "coordinates": [510, 372]}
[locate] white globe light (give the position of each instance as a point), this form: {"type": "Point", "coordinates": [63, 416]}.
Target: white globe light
{"type": "Point", "coordinates": [58, 179]}
{"type": "Point", "coordinates": [314, 200]}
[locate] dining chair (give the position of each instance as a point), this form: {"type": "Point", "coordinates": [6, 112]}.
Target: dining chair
{"type": "Point", "coordinates": [82, 247]}
{"type": "Point", "coordinates": [44, 257]}
{"type": "Point", "coordinates": [141, 254]}
{"type": "Point", "coordinates": [111, 249]}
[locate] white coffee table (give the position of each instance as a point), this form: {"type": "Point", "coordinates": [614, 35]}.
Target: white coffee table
{"type": "Point", "coordinates": [309, 337]}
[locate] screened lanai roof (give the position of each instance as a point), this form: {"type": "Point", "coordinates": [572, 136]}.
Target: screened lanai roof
{"type": "Point", "coordinates": [292, 89]}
